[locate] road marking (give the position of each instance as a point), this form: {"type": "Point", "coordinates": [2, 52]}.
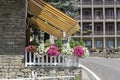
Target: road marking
{"type": "Point", "coordinates": [94, 75]}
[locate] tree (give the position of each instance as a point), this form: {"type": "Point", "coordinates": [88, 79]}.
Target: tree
{"type": "Point", "coordinates": [69, 7]}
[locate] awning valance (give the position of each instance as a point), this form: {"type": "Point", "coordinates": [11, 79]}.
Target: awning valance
{"type": "Point", "coordinates": [51, 20]}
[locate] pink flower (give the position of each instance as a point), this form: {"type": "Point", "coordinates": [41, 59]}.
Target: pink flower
{"type": "Point", "coordinates": [78, 51]}
{"type": "Point", "coordinates": [53, 50]}
{"type": "Point", "coordinates": [31, 48]}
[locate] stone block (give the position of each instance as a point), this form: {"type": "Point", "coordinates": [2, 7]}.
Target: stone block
{"type": "Point", "coordinates": [25, 70]}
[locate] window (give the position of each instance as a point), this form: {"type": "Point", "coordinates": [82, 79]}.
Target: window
{"type": "Point", "coordinates": [88, 43]}
{"type": "Point", "coordinates": [118, 27]}
{"type": "Point", "coordinates": [109, 13]}
{"type": "Point", "coordinates": [118, 42]}
{"type": "Point", "coordinates": [118, 13]}
{"type": "Point", "coordinates": [98, 28]}
{"type": "Point", "coordinates": [98, 13]}
{"type": "Point", "coordinates": [87, 12]}
{"type": "Point", "coordinates": [87, 28]}
{"type": "Point", "coordinates": [98, 44]}
{"type": "Point", "coordinates": [110, 28]}
{"type": "Point", "coordinates": [110, 43]}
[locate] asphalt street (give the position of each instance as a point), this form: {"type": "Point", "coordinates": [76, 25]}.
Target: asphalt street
{"type": "Point", "coordinates": [104, 68]}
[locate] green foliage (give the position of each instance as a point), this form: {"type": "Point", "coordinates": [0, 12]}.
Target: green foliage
{"type": "Point", "coordinates": [47, 43]}
{"type": "Point", "coordinates": [77, 43]}
{"type": "Point", "coordinates": [77, 78]}
{"type": "Point", "coordinates": [67, 6]}
{"type": "Point", "coordinates": [72, 43]}
{"type": "Point", "coordinates": [59, 43]}
{"type": "Point", "coordinates": [82, 43]}
{"type": "Point", "coordinates": [34, 43]}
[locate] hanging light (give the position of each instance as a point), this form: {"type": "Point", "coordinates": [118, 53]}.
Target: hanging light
{"type": "Point", "coordinates": [64, 34]}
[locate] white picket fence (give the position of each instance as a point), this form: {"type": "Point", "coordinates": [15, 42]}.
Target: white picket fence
{"type": "Point", "coordinates": [35, 59]}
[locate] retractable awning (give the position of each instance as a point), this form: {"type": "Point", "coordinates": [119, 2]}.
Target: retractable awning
{"type": "Point", "coordinates": [50, 20]}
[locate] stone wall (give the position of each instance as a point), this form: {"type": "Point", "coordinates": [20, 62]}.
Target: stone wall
{"type": "Point", "coordinates": [12, 36]}
{"type": "Point", "coordinates": [52, 72]}
{"type": "Point", "coordinates": [12, 44]}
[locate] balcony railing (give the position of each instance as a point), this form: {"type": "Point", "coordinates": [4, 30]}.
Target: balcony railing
{"type": "Point", "coordinates": [86, 2]}
{"type": "Point", "coordinates": [98, 2]}
{"type": "Point", "coordinates": [87, 17]}
{"type": "Point", "coordinates": [109, 17]}
{"type": "Point", "coordinates": [109, 2]}
{"type": "Point", "coordinates": [118, 17]}
{"type": "Point", "coordinates": [118, 2]}
{"type": "Point", "coordinates": [110, 32]}
{"type": "Point", "coordinates": [118, 32]}
{"type": "Point", "coordinates": [98, 32]}
{"type": "Point", "coordinates": [98, 17]}
{"type": "Point", "coordinates": [35, 59]}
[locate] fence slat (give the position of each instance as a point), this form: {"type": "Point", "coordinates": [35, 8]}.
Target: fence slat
{"type": "Point", "coordinates": [45, 60]}
{"type": "Point", "coordinates": [30, 58]}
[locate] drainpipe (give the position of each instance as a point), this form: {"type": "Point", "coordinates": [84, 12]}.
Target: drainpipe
{"type": "Point", "coordinates": [26, 10]}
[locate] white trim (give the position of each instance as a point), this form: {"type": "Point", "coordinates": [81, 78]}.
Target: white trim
{"type": "Point", "coordinates": [93, 74]}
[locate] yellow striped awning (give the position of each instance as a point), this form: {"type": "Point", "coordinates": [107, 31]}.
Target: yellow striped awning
{"type": "Point", "coordinates": [50, 20]}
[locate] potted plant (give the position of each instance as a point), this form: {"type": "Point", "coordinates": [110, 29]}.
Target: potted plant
{"type": "Point", "coordinates": [32, 47]}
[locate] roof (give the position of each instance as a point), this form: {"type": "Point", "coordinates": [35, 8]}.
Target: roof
{"type": "Point", "coordinates": [51, 20]}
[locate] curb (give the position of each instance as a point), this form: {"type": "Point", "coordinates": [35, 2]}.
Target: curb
{"type": "Point", "coordinates": [85, 75]}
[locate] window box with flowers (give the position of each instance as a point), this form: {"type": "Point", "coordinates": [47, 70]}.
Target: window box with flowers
{"type": "Point", "coordinates": [69, 52]}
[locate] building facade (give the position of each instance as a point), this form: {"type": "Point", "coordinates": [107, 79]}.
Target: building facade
{"type": "Point", "coordinates": [100, 23]}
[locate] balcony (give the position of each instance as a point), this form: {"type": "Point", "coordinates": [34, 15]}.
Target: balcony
{"type": "Point", "coordinates": [118, 32]}
{"type": "Point", "coordinates": [98, 32]}
{"type": "Point", "coordinates": [98, 17]}
{"type": "Point", "coordinates": [108, 2]}
{"type": "Point", "coordinates": [118, 2]}
{"type": "Point", "coordinates": [109, 17]}
{"type": "Point", "coordinates": [110, 32]}
{"type": "Point", "coordinates": [85, 17]}
{"type": "Point", "coordinates": [118, 16]}
{"type": "Point", "coordinates": [98, 2]}
{"type": "Point", "coordinates": [86, 2]}
{"type": "Point", "coordinates": [35, 59]}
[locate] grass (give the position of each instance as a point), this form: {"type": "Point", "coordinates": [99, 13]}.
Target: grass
{"type": "Point", "coordinates": [77, 78]}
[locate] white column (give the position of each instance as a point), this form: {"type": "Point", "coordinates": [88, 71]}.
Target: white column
{"type": "Point", "coordinates": [104, 43]}
{"type": "Point", "coordinates": [92, 24]}
{"type": "Point", "coordinates": [115, 42]}
{"type": "Point", "coordinates": [103, 18]}
{"type": "Point", "coordinates": [115, 17]}
{"type": "Point", "coordinates": [52, 39]}
{"type": "Point", "coordinates": [93, 46]}
{"type": "Point", "coordinates": [115, 23]}
{"type": "Point", "coordinates": [81, 17]}
{"type": "Point", "coordinates": [26, 10]}
{"type": "Point", "coordinates": [92, 18]}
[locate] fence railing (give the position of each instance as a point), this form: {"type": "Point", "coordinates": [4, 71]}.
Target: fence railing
{"type": "Point", "coordinates": [35, 59]}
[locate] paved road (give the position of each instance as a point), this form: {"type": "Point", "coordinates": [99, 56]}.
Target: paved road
{"type": "Point", "coordinates": [106, 69]}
